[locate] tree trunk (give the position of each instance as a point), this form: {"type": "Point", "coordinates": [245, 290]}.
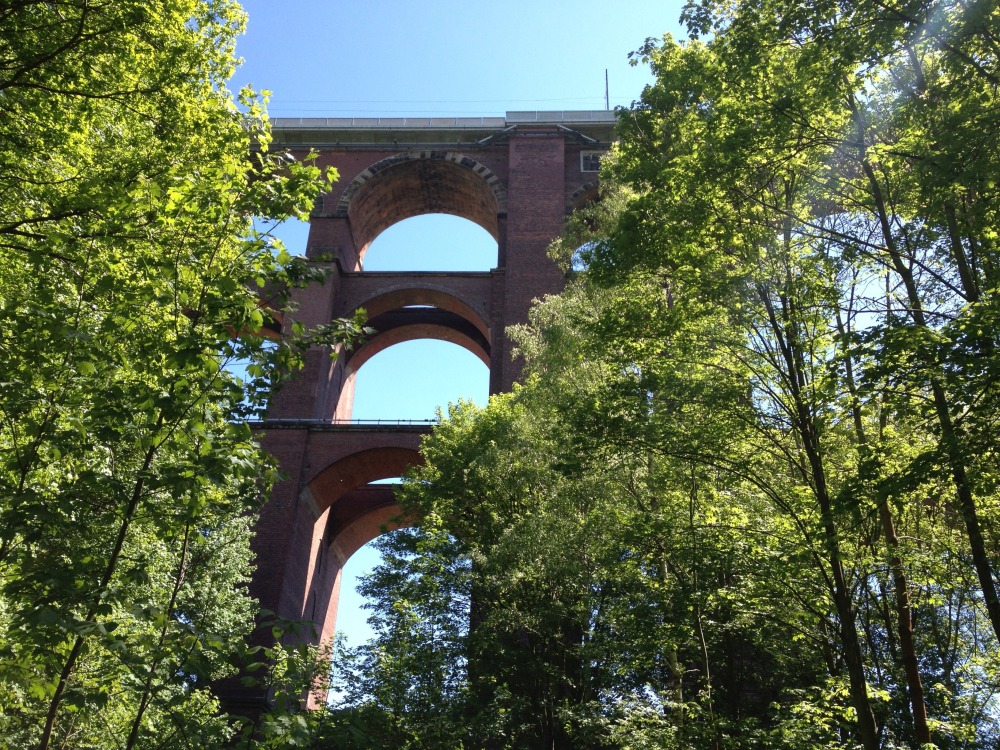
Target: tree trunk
{"type": "Point", "coordinates": [795, 377]}
{"type": "Point", "coordinates": [904, 615]}
{"type": "Point", "coordinates": [949, 434]}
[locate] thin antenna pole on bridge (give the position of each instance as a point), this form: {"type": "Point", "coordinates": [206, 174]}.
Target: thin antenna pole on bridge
{"type": "Point", "coordinates": [607, 101]}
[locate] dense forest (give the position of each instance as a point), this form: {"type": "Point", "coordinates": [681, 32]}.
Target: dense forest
{"type": "Point", "coordinates": [747, 495]}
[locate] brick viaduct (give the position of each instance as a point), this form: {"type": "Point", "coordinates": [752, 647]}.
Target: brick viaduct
{"type": "Point", "coordinates": [517, 177]}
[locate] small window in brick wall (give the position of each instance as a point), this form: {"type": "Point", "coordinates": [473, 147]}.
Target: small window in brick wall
{"type": "Point", "coordinates": [590, 161]}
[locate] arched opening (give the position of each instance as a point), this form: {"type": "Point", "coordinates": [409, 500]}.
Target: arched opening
{"type": "Point", "coordinates": [407, 381]}
{"type": "Point", "coordinates": [416, 322]}
{"type": "Point", "coordinates": [411, 380]}
{"type": "Point", "coordinates": [352, 622]}
{"type": "Point", "coordinates": [413, 184]}
{"type": "Point", "coordinates": [439, 353]}
{"type": "Point", "coordinates": [351, 509]}
{"type": "Point", "coordinates": [446, 243]}
{"type": "Point", "coordinates": [392, 578]}
{"type": "Point", "coordinates": [415, 586]}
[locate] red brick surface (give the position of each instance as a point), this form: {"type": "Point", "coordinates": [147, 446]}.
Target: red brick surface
{"type": "Point", "coordinates": [518, 187]}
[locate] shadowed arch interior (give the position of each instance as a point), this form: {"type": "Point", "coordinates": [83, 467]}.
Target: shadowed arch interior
{"type": "Point", "coordinates": [357, 470]}
{"type": "Point", "coordinates": [358, 510]}
{"type": "Point", "coordinates": [362, 515]}
{"type": "Point", "coordinates": [413, 187]}
{"type": "Point", "coordinates": [410, 314]}
{"type": "Point", "coordinates": [412, 325]}
{"type": "Point", "coordinates": [415, 296]}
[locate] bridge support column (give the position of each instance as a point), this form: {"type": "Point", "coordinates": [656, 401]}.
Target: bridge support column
{"type": "Point", "coordinates": [516, 177]}
{"type": "Point", "coordinates": [536, 213]}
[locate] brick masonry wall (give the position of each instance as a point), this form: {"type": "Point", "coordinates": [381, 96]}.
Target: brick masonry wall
{"type": "Point", "coordinates": [519, 187]}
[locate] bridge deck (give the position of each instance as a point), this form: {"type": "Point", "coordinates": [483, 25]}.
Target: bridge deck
{"type": "Point", "coordinates": [345, 425]}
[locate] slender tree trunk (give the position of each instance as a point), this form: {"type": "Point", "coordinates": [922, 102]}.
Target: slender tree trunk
{"type": "Point", "coordinates": [904, 614]}
{"type": "Point", "coordinates": [133, 736]}
{"type": "Point", "coordinates": [950, 441]}
{"type": "Point", "coordinates": [696, 595]}
{"type": "Point", "coordinates": [849, 639]}
{"type": "Point", "coordinates": [965, 274]}
{"type": "Point", "coordinates": [786, 333]}
{"type": "Point", "coordinates": [677, 672]}
{"type": "Point", "coordinates": [109, 571]}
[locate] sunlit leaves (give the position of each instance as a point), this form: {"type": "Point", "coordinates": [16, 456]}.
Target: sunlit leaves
{"type": "Point", "coordinates": [128, 285]}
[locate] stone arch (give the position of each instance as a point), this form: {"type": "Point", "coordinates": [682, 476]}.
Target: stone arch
{"type": "Point", "coordinates": [358, 469]}
{"type": "Point", "coordinates": [358, 510]}
{"type": "Point", "coordinates": [349, 512]}
{"type": "Point", "coordinates": [467, 294]}
{"type": "Point", "coordinates": [400, 326]}
{"type": "Point", "coordinates": [404, 327]}
{"type": "Point", "coordinates": [403, 297]}
{"type": "Point", "coordinates": [411, 184]}
{"type": "Point", "coordinates": [375, 521]}
{"type": "Point", "coordinates": [407, 314]}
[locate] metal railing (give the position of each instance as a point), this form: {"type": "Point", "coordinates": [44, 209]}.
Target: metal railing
{"type": "Point", "coordinates": [295, 422]}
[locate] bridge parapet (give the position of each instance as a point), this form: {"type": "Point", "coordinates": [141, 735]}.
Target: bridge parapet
{"type": "Point", "coordinates": [469, 132]}
{"type": "Point", "coordinates": [421, 426]}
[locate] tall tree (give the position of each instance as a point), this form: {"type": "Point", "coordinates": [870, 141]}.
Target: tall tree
{"type": "Point", "coordinates": [129, 181]}
{"type": "Point", "coordinates": [794, 97]}
{"type": "Point", "coordinates": [746, 496]}
{"type": "Point", "coordinates": [408, 687]}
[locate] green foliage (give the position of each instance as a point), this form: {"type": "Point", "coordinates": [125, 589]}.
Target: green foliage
{"type": "Point", "coordinates": [746, 496]}
{"type": "Point", "coordinates": [129, 183]}
{"type": "Point", "coordinates": [407, 688]}
{"type": "Point", "coordinates": [285, 673]}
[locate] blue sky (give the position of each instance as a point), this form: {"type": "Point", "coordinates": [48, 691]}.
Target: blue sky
{"type": "Point", "coordinates": [336, 58]}
{"type": "Point", "coordinates": [443, 58]}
